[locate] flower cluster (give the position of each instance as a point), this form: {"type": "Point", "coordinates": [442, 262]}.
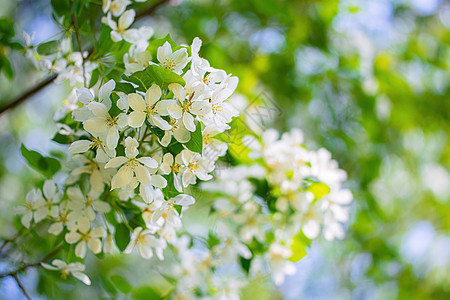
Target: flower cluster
{"type": "Point", "coordinates": [137, 145]}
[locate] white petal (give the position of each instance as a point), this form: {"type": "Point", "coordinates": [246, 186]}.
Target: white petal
{"type": "Point", "coordinates": [183, 200]}
{"type": "Point", "coordinates": [116, 162]}
{"type": "Point", "coordinates": [80, 249]}
{"type": "Point", "coordinates": [178, 90]}
{"type": "Point", "coordinates": [84, 95]}
{"type": "Point", "coordinates": [126, 19]}
{"type": "Point", "coordinates": [149, 162]}
{"type": "Point", "coordinates": [80, 146]}
{"type": "Point", "coordinates": [142, 175]}
{"type": "Point", "coordinates": [136, 119]}
{"type": "Point", "coordinates": [188, 121]}
{"type": "Point", "coordinates": [136, 102]}
{"type": "Point", "coordinates": [153, 94]}
{"type": "Point", "coordinates": [105, 90]}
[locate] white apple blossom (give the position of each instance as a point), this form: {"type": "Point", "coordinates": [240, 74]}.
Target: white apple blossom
{"type": "Point", "coordinates": [131, 167]}
{"type": "Point", "coordinates": [169, 213]}
{"type": "Point", "coordinates": [74, 269]}
{"type": "Point", "coordinates": [34, 201]}
{"type": "Point", "coordinates": [85, 96]}
{"type": "Point", "coordinates": [185, 107]}
{"type": "Point", "coordinates": [86, 239]}
{"type": "Point", "coordinates": [150, 109]}
{"type": "Point", "coordinates": [104, 124]}
{"type": "Point", "coordinates": [194, 166]}
{"type": "Point", "coordinates": [145, 241]}
{"type": "Point", "coordinates": [175, 61]}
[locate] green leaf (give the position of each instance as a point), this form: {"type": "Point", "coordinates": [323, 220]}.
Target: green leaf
{"type": "Point", "coordinates": [195, 144]}
{"type": "Point", "coordinates": [47, 166]}
{"type": "Point", "coordinates": [61, 7]}
{"type": "Point", "coordinates": [145, 293]}
{"type": "Point", "coordinates": [121, 284]}
{"type": "Point", "coordinates": [154, 74]}
{"type": "Point", "coordinates": [94, 78]}
{"type": "Point", "coordinates": [245, 263]}
{"type": "Point", "coordinates": [6, 67]}
{"type": "Point", "coordinates": [127, 88]}
{"type": "Point", "coordinates": [6, 28]}
{"type": "Point", "coordinates": [122, 236]}
{"type": "Point", "coordinates": [155, 130]}
{"type": "Point", "coordinates": [298, 247]}
{"type": "Point", "coordinates": [170, 191]}
{"type": "Point", "coordinates": [62, 139]}
{"type": "Point", "coordinates": [48, 48]}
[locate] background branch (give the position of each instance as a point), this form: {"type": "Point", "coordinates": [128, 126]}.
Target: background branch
{"type": "Point", "coordinates": [21, 98]}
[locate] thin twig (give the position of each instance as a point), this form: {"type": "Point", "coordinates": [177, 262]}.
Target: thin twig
{"type": "Point", "coordinates": [77, 34]}
{"type": "Point", "coordinates": [6, 242]}
{"type": "Point", "coordinates": [24, 291]}
{"type": "Point", "coordinates": [21, 98]}
{"type": "Point", "coordinates": [29, 265]}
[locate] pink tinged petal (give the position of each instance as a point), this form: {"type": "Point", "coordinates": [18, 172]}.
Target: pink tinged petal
{"type": "Point", "coordinates": [142, 175]}
{"type": "Point", "coordinates": [153, 94]}
{"type": "Point", "coordinates": [95, 126]}
{"type": "Point", "coordinates": [149, 162]}
{"type": "Point", "coordinates": [79, 146]}
{"type": "Point", "coordinates": [174, 111]}
{"type": "Point", "coordinates": [164, 51]}
{"type": "Point", "coordinates": [188, 121]}
{"type": "Point", "coordinates": [188, 178]}
{"type": "Point", "coordinates": [95, 245]}
{"type": "Point", "coordinates": [178, 90]}
{"type": "Point", "coordinates": [159, 181]}
{"type": "Point", "coordinates": [84, 95]}
{"type": "Point", "coordinates": [98, 109]}
{"type": "Point", "coordinates": [80, 249]}
{"type": "Point", "coordinates": [82, 277]}
{"type": "Point", "coordinates": [116, 162]}
{"type": "Point", "coordinates": [122, 178]}
{"type": "Point", "coordinates": [112, 138]}
{"type": "Point", "coordinates": [55, 228]}
{"type": "Point", "coordinates": [160, 122]}
{"type": "Point", "coordinates": [72, 237]}
{"type": "Point", "coordinates": [136, 102]}
{"type": "Point", "coordinates": [136, 119]}
{"type": "Point", "coordinates": [126, 19]}
{"type": "Point", "coordinates": [183, 200]}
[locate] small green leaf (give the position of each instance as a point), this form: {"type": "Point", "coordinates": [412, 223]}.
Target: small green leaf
{"type": "Point", "coordinates": [121, 284]}
{"type": "Point", "coordinates": [94, 78]}
{"type": "Point", "coordinates": [62, 139]}
{"type": "Point", "coordinates": [61, 7]}
{"type": "Point", "coordinates": [48, 48]}
{"type": "Point", "coordinates": [155, 130]}
{"type": "Point", "coordinates": [122, 236]}
{"type": "Point", "coordinates": [47, 166]}
{"type": "Point", "coordinates": [127, 88]}
{"type": "Point", "coordinates": [245, 263]}
{"type": "Point", "coordinates": [6, 28]}
{"type": "Point", "coordinates": [195, 144]}
{"type": "Point", "coordinates": [154, 74]}
{"type": "Point", "coordinates": [170, 191]}
{"type": "Point", "coordinates": [5, 66]}
{"type": "Point", "coordinates": [145, 293]}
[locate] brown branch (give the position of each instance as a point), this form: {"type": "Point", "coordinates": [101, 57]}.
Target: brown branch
{"type": "Point", "coordinates": [21, 98]}
{"type": "Point", "coordinates": [24, 291]}
{"type": "Point", "coordinates": [29, 265]}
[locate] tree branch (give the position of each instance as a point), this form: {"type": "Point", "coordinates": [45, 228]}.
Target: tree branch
{"type": "Point", "coordinates": [21, 98]}
{"type": "Point", "coordinates": [24, 291]}
{"type": "Point", "coordinates": [29, 265]}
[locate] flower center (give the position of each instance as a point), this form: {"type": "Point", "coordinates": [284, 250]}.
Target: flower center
{"type": "Point", "coordinates": [169, 63]}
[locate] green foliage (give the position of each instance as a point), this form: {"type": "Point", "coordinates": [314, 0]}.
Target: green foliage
{"type": "Point", "coordinates": [47, 166]}
{"type": "Point", "coordinates": [154, 74]}
{"type": "Point", "coordinates": [121, 284]}
{"type": "Point", "coordinates": [195, 144]}
{"type": "Point", "coordinates": [122, 236]}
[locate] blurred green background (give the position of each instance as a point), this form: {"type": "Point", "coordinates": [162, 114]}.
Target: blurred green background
{"type": "Point", "coordinates": [367, 79]}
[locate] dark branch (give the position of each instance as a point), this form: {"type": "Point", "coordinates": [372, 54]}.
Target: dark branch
{"type": "Point", "coordinates": [24, 291]}
{"type": "Point", "coordinates": [21, 98]}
